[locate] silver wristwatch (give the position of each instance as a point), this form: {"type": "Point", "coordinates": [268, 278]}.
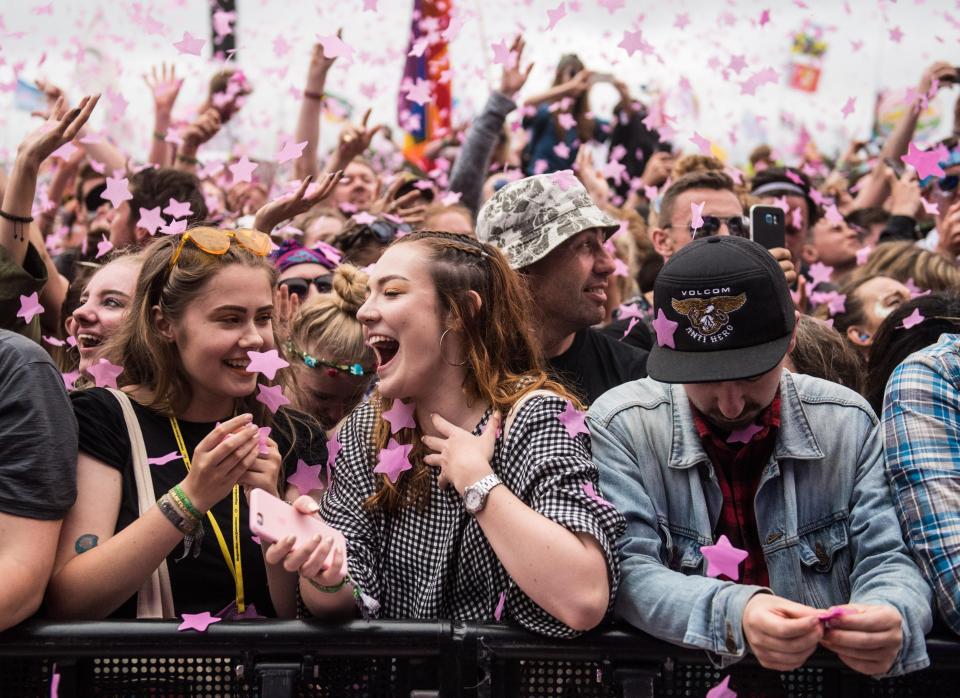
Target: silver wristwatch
{"type": "Point", "coordinates": [475, 496]}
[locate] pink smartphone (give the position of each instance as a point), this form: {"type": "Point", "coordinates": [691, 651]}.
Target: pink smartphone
{"type": "Point", "coordinates": [273, 519]}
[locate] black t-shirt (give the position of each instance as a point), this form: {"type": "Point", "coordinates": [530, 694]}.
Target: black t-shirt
{"type": "Point", "coordinates": [203, 583]}
{"type": "Point", "coordinates": [38, 434]}
{"type": "Point", "coordinates": [594, 363]}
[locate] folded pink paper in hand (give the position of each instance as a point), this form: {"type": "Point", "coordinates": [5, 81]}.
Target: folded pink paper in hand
{"type": "Point", "coordinates": [835, 613]}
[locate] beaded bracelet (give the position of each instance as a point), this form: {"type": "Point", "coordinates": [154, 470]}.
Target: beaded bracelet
{"type": "Point", "coordinates": [185, 524]}
{"type": "Point", "coordinates": [331, 589]}
{"type": "Point", "coordinates": [187, 159]}
{"type": "Point", "coordinates": [181, 496]}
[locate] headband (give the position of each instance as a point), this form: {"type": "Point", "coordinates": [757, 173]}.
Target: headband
{"type": "Point", "coordinates": [291, 252]}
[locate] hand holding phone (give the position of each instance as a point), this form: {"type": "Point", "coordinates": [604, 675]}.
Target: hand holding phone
{"type": "Point", "coordinates": [768, 226]}
{"type": "Point", "coordinates": [274, 520]}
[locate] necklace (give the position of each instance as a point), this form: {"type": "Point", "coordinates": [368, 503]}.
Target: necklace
{"type": "Point", "coordinates": [234, 563]}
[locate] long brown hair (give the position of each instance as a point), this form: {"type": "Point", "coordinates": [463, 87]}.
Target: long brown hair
{"type": "Point", "coordinates": [503, 359]}
{"type": "Point", "coordinates": [580, 109]}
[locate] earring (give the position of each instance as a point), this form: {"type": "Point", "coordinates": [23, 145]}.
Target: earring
{"type": "Point", "coordinates": [462, 363]}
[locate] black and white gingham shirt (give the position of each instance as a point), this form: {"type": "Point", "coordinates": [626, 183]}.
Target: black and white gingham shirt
{"type": "Point", "coordinates": [436, 562]}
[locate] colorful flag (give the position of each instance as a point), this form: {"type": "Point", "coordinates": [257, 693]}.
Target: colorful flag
{"type": "Point", "coordinates": [424, 100]}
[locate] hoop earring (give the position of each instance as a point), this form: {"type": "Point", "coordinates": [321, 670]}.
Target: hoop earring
{"type": "Point", "coordinates": [462, 363]}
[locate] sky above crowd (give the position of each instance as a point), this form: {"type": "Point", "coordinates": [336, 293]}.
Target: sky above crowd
{"type": "Point", "coordinates": [718, 70]}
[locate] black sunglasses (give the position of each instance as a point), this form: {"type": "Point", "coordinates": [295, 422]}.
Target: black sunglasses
{"type": "Point", "coordinates": [948, 183]}
{"type": "Point", "coordinates": [738, 226]}
{"type": "Point", "coordinates": [94, 198]}
{"type": "Point", "coordinates": [301, 287]}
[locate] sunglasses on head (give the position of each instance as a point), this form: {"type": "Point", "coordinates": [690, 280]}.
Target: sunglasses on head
{"type": "Point", "coordinates": [215, 241]}
{"type": "Point", "coordinates": [301, 287]}
{"type": "Point", "coordinates": [738, 226]}
{"type": "Point", "coordinates": [94, 198]}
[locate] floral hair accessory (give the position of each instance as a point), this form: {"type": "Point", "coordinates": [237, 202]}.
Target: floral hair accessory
{"type": "Point", "coordinates": [333, 368]}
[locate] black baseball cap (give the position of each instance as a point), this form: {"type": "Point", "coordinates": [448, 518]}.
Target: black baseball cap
{"type": "Point", "coordinates": [722, 312]}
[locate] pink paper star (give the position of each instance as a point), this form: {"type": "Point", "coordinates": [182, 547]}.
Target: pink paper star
{"type": "Point", "coordinates": [150, 219]}
{"type": "Point", "coordinates": [611, 6]}
{"type": "Point", "coordinates": [333, 449]}
{"type": "Point", "coordinates": [630, 325]}
{"type": "Point", "coordinates": [562, 150]}
{"type": "Point", "coordinates": [501, 602]}
{"type": "Point", "coordinates": [681, 21]}
{"type": "Point", "coordinates": [163, 460]}
{"type": "Point", "coordinates": [665, 329]}
{"type": "Point", "coordinates": [393, 460]}
{"type": "Point", "coordinates": [591, 492]}
{"type": "Point", "coordinates": [915, 291]}
{"type": "Point", "coordinates": [272, 396]}
{"type": "Point", "coordinates": [895, 35]}
{"type": "Point", "coordinates": [364, 218]}
{"type": "Point", "coordinates": [703, 144]}
{"type": "Point", "coordinates": [722, 690]}
{"type": "Point", "coordinates": [55, 679]}
{"type": "Point", "coordinates": [117, 191]}
{"type": "Point", "coordinates": [555, 15]}
{"type": "Point", "coordinates": [420, 92]}
{"type": "Point", "coordinates": [567, 121]}
{"type": "Point", "coordinates": [103, 247]}
{"type": "Point", "coordinates": [820, 273]}
{"type": "Point", "coordinates": [744, 435]}
{"type": "Point", "coordinates": [737, 63]}
{"type": "Point", "coordinates": [65, 151]}
{"type": "Point", "coordinates": [564, 179]}
{"type": "Point", "coordinates": [757, 80]}
{"type": "Point", "coordinates": [502, 55]}
{"type": "Point", "coordinates": [926, 163]}
{"type": "Point", "coordinates": [573, 420]}
{"type": "Point", "coordinates": [334, 47]}
{"type": "Point", "coordinates": [290, 151]}
{"type": "Point", "coordinates": [70, 379]}
{"type": "Point", "coordinates": [29, 307]}
{"type": "Point", "coordinates": [174, 228]}
{"type": "Point", "coordinates": [189, 44]}
{"type": "Point", "coordinates": [849, 107]}
{"type": "Point", "coordinates": [930, 208]}
{"type": "Point", "coordinates": [197, 621]}
{"type": "Point", "coordinates": [837, 303]}
{"type": "Point", "coordinates": [913, 319]}
{"type": "Point", "coordinates": [863, 254]}
{"type": "Point", "coordinates": [723, 558]}
{"type": "Point", "coordinates": [633, 42]}
{"type": "Point", "coordinates": [266, 362]}
{"type": "Point", "coordinates": [451, 198]}
{"type": "Point", "coordinates": [369, 5]}
{"type": "Point", "coordinates": [833, 215]}
{"type": "Point", "coordinates": [263, 433]}
{"type": "Point", "coordinates": [307, 477]}
{"type": "Point", "coordinates": [764, 18]}
{"type": "Point", "coordinates": [105, 373]}
{"type": "Point", "coordinates": [400, 416]}
{"type": "Point", "coordinates": [242, 170]}
{"type": "Point", "coordinates": [696, 219]}
{"type": "Point", "coordinates": [836, 612]}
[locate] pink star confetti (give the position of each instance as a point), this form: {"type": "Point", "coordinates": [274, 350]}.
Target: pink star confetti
{"type": "Point", "coordinates": [103, 247]}
{"type": "Point", "coordinates": [117, 191]}
{"type": "Point", "coordinates": [242, 170]}
{"type": "Point", "coordinates": [849, 107]}
{"type": "Point", "coordinates": [896, 34]}
{"type": "Point", "coordinates": [633, 42]}
{"type": "Point", "coordinates": [400, 416]}
{"type": "Point", "coordinates": [863, 254]}
{"type": "Point", "coordinates": [393, 460]}
{"type": "Point", "coordinates": [665, 329]}
{"type": "Point", "coordinates": [272, 396]}
{"type": "Point", "coordinates": [611, 6]}
{"type": "Point", "coordinates": [926, 163]}
{"type": "Point", "coordinates": [573, 420]}
{"type": "Point", "coordinates": [70, 379]}
{"type": "Point", "coordinates": [150, 219]}
{"type": "Point", "coordinates": [29, 307]}
{"type": "Point", "coordinates": [722, 690]}
{"type": "Point", "coordinates": [555, 15]}
{"type": "Point", "coordinates": [178, 209]}
{"type": "Point", "coordinates": [263, 433]}
{"type": "Point", "coordinates": [696, 219]}
{"type": "Point", "coordinates": [737, 63]}
{"type": "Point", "coordinates": [335, 47]}
{"type": "Point", "coordinates": [197, 621]}
{"type": "Point", "coordinates": [174, 228]}
{"type": "Point", "coordinates": [930, 208]}
{"type": "Point", "coordinates": [290, 151]}
{"type": "Point", "coordinates": [837, 303]}
{"type": "Point", "coordinates": [591, 492]}
{"type": "Point", "coordinates": [105, 374]}
{"type": "Point", "coordinates": [502, 55]}
{"type": "Point", "coordinates": [501, 602]}
{"type": "Point", "coordinates": [744, 435]}
{"type": "Point", "coordinates": [723, 558]}
{"type": "Point", "coordinates": [630, 325]}
{"type": "Point", "coordinates": [364, 218]}
{"type": "Point", "coordinates": [820, 273]}
{"type": "Point", "coordinates": [915, 291]}
{"type": "Point", "coordinates": [833, 215]}
{"type": "Point", "coordinates": [764, 18]}
{"type": "Point", "coordinates": [55, 679]}
{"type": "Point", "coordinates": [189, 44]}
{"type": "Point", "coordinates": [265, 362]}
{"type": "Point", "coordinates": [163, 460]}
{"type": "Point", "coordinates": [419, 92]}
{"type": "Point", "coordinates": [757, 80]}
{"type": "Point", "coordinates": [307, 477]}
{"type": "Point", "coordinates": [913, 319]}
{"type": "Point", "coordinates": [564, 179]}
{"type": "Point", "coordinates": [836, 612]}
{"type": "Point", "coordinates": [703, 144]}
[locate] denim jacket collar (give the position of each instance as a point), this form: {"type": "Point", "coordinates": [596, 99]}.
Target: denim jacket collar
{"type": "Point", "coordinates": [795, 438]}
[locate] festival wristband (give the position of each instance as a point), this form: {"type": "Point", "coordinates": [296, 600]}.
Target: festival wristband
{"type": "Point", "coordinates": [181, 497]}
{"type": "Point", "coordinates": [331, 589]}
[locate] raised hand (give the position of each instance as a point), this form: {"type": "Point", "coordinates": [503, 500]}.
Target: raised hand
{"type": "Point", "coordinates": [60, 128]}
{"type": "Point", "coordinates": [220, 460]}
{"type": "Point", "coordinates": [354, 141]}
{"type": "Point", "coordinates": [319, 67]}
{"type": "Point", "coordinates": [286, 305]}
{"type": "Point", "coordinates": [202, 130]}
{"type": "Point", "coordinates": [596, 185]}
{"type": "Point", "coordinates": [52, 93]}
{"type": "Point", "coordinates": [514, 77]}
{"type": "Point", "coordinates": [264, 473]}
{"type": "Point", "coordinates": [308, 559]}
{"type": "Point", "coordinates": [165, 87]}
{"type": "Point", "coordinates": [463, 458]}
{"type": "Point", "coordinates": [274, 212]}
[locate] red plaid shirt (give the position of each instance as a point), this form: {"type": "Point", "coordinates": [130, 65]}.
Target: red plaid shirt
{"type": "Point", "coordinates": [739, 467]}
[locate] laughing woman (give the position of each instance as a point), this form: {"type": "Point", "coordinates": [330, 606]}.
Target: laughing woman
{"type": "Point", "coordinates": [203, 300]}
{"type": "Point", "coordinates": [447, 515]}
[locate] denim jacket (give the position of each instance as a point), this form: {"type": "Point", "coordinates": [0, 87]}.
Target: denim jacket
{"type": "Point", "coordinates": [825, 515]}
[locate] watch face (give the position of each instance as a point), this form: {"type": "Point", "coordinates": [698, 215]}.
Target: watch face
{"type": "Point", "coordinates": [472, 500]}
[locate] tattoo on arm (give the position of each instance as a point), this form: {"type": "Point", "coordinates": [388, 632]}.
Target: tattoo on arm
{"type": "Point", "coordinates": [85, 543]}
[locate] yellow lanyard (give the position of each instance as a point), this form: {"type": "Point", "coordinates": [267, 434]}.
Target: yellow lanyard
{"type": "Point", "coordinates": [234, 564]}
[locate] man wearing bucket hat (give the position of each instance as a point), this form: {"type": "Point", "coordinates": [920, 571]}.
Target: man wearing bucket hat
{"type": "Point", "coordinates": [552, 233]}
{"type": "Point", "coordinates": [758, 514]}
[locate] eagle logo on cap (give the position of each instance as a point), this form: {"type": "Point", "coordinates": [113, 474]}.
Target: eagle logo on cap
{"type": "Point", "coordinates": [709, 315]}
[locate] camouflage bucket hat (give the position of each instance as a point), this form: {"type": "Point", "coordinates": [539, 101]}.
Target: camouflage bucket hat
{"type": "Point", "coordinates": [528, 218]}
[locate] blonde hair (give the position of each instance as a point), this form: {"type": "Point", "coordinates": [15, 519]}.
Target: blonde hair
{"type": "Point", "coordinates": [904, 261]}
{"type": "Point", "coordinates": [328, 327]}
{"type": "Point", "coordinates": [436, 210]}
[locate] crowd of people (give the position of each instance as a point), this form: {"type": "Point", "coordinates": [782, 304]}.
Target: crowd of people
{"type": "Point", "coordinates": [518, 385]}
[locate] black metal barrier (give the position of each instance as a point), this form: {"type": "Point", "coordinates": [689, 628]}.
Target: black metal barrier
{"type": "Point", "coordinates": [274, 659]}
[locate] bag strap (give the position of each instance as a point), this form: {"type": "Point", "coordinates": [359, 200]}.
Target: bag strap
{"type": "Point", "coordinates": [515, 409]}
{"type": "Point", "coordinates": [155, 598]}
